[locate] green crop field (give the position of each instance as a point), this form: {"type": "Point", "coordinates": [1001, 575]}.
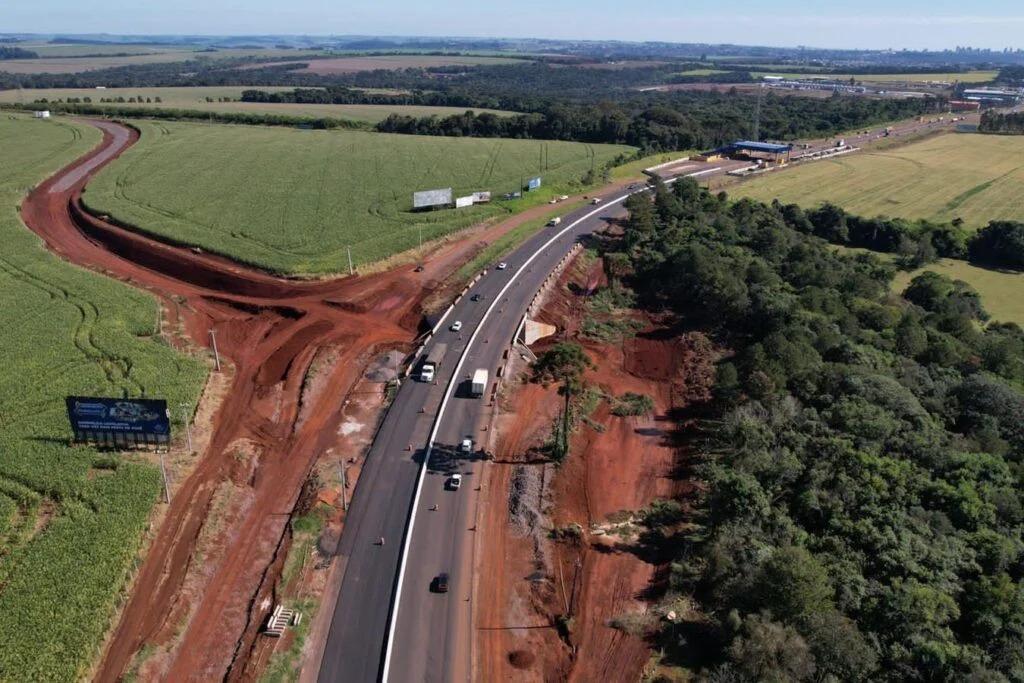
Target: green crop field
{"type": "Point", "coordinates": [292, 201]}
{"type": "Point", "coordinates": [71, 519]}
{"type": "Point", "coordinates": [973, 177]}
{"type": "Point", "coordinates": [196, 99]}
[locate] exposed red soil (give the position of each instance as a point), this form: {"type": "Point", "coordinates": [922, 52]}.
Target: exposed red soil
{"type": "Point", "coordinates": [269, 329]}
{"type": "Point", "coordinates": [622, 468]}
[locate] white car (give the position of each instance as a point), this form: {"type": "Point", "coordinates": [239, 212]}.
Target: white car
{"type": "Point", "coordinates": [595, 200]}
{"type": "Point", "coordinates": [467, 445]}
{"type": "Point", "coordinates": [563, 197]}
{"type": "Point", "coordinates": [456, 326]}
{"type": "Point", "coordinates": [455, 482]}
{"type": "Point", "coordinates": [502, 266]}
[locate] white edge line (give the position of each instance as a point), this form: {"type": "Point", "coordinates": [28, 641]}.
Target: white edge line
{"type": "Point", "coordinates": [392, 620]}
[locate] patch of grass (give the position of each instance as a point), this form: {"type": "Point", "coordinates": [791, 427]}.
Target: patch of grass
{"type": "Point", "coordinates": [701, 72]}
{"type": "Point", "coordinates": [292, 201]}
{"type": "Point", "coordinates": [1000, 291]}
{"type": "Point", "coordinates": [284, 664]}
{"type": "Point", "coordinates": [633, 405]}
{"type": "Point", "coordinates": [67, 331]}
{"type": "Point", "coordinates": [507, 242]}
{"type": "Point", "coordinates": [973, 177]}
{"type": "Point", "coordinates": [633, 170]}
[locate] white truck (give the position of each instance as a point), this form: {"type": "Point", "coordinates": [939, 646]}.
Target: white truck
{"type": "Point", "coordinates": [479, 385]}
{"type": "Point", "coordinates": [432, 362]}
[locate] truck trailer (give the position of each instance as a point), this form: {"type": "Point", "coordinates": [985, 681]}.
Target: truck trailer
{"type": "Point", "coordinates": [479, 385]}
{"type": "Point", "coordinates": [433, 361]}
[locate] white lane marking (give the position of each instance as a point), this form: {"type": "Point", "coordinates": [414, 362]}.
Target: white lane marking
{"type": "Point", "coordinates": [392, 618]}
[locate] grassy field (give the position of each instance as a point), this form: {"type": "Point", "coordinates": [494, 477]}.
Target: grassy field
{"type": "Point", "coordinates": [71, 519]}
{"type": "Point", "coordinates": [973, 177]}
{"type": "Point", "coordinates": [701, 72]}
{"type": "Point", "coordinates": [1000, 290]}
{"type": "Point", "coordinates": [966, 77]}
{"type": "Point", "coordinates": [196, 99]}
{"type": "Point", "coordinates": [291, 201]}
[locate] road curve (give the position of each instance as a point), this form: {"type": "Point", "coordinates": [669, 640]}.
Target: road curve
{"type": "Point", "coordinates": [386, 622]}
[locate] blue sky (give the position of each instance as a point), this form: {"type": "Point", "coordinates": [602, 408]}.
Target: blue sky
{"type": "Point", "coordinates": [821, 23]}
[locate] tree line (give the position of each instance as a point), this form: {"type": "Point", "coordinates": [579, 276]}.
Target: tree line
{"type": "Point", "coordinates": [999, 244]}
{"type": "Point", "coordinates": [864, 515]}
{"type": "Point", "coordinates": [1002, 124]}
{"type": "Point", "coordinates": [674, 122]}
{"type": "Point", "coordinates": [17, 53]}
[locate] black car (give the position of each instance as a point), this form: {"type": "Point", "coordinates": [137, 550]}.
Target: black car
{"type": "Point", "coordinates": [440, 583]}
{"type": "Point", "coordinates": [476, 297]}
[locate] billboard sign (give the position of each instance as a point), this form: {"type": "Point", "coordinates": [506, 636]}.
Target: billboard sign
{"type": "Point", "coordinates": [462, 202]}
{"type": "Point", "coordinates": [119, 421]}
{"type": "Point", "coordinates": [481, 197]}
{"type": "Point", "coordinates": [533, 183]}
{"type": "Point", "coordinates": [429, 198]}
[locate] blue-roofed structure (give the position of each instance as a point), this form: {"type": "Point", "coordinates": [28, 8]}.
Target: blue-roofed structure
{"type": "Point", "coordinates": [765, 147]}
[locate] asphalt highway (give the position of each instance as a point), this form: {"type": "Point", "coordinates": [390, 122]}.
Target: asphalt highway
{"type": "Point", "coordinates": [399, 501]}
{"type": "Point", "coordinates": [387, 487]}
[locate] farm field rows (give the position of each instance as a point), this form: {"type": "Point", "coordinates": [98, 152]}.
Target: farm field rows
{"type": "Point", "coordinates": [71, 518]}
{"type": "Point", "coordinates": [68, 63]}
{"type": "Point", "coordinates": [195, 99]}
{"type": "Point", "coordinates": [320, 192]}
{"type": "Point", "coordinates": [973, 177]}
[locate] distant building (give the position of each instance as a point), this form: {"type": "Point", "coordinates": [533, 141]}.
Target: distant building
{"type": "Point", "coordinates": [993, 96]}
{"type": "Point", "coordinates": [964, 105]}
{"type": "Point", "coordinates": [42, 114]}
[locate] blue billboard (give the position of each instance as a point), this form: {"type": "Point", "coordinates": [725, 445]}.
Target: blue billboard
{"type": "Point", "coordinates": [119, 421]}
{"type": "Point", "coordinates": [533, 183]}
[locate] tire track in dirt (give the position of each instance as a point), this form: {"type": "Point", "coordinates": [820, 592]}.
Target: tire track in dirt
{"type": "Point", "coordinates": [199, 610]}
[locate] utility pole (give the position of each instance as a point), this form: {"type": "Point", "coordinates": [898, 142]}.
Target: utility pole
{"type": "Point", "coordinates": [421, 235]}
{"type": "Point", "coordinates": [351, 270]}
{"type": "Point", "coordinates": [163, 473]}
{"type": "Point", "coordinates": [188, 428]}
{"type": "Point", "coordinates": [757, 115]}
{"type": "Point", "coordinates": [216, 354]}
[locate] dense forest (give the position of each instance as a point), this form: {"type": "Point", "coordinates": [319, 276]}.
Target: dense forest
{"type": "Point", "coordinates": [864, 518]}
{"type": "Point", "coordinates": [1005, 124]}
{"type": "Point", "coordinates": [16, 53]}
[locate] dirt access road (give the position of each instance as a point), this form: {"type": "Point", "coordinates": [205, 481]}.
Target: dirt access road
{"type": "Point", "coordinates": [269, 329]}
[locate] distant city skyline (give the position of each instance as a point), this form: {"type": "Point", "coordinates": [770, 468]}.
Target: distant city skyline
{"type": "Point", "coordinates": [866, 24]}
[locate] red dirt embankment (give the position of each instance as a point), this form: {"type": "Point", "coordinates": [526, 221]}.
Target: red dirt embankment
{"type": "Point", "coordinates": [622, 465]}
{"type": "Point", "coordinates": [200, 594]}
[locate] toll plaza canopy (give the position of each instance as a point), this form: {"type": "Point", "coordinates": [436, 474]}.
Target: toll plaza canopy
{"type": "Point", "coordinates": [766, 151]}
{"type": "Point", "coordinates": [763, 147]}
